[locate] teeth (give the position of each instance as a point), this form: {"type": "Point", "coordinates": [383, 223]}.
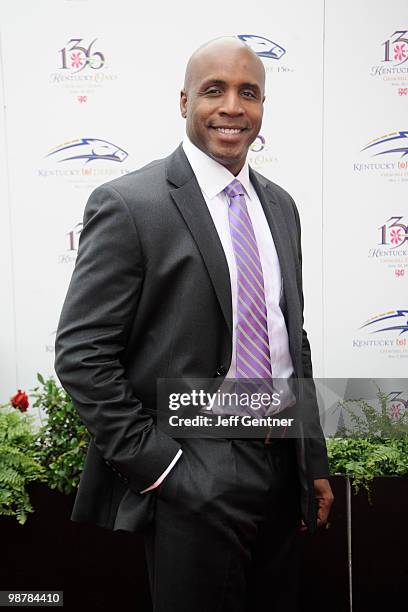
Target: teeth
{"type": "Point", "coordinates": [228, 131]}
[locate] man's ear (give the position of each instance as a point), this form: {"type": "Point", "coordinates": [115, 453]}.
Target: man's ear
{"type": "Point", "coordinates": [183, 103]}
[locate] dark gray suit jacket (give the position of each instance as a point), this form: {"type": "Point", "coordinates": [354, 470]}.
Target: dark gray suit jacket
{"type": "Point", "coordinates": [150, 298]}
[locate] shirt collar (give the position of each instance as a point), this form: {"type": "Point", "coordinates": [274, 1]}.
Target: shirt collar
{"type": "Point", "coordinates": [211, 176]}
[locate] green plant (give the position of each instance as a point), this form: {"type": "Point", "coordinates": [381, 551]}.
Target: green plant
{"type": "Point", "coordinates": [63, 439]}
{"type": "Point", "coordinates": [18, 466]}
{"type": "Point", "coordinates": [375, 443]}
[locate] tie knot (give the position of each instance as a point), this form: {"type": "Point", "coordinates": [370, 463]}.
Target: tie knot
{"type": "Point", "coordinates": [234, 189]}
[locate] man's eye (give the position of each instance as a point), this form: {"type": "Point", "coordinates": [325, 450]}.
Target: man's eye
{"type": "Point", "coordinates": [213, 90]}
{"type": "Point", "coordinates": [249, 94]}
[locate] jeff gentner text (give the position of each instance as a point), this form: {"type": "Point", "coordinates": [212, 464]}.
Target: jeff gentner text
{"type": "Point", "coordinates": [229, 421]}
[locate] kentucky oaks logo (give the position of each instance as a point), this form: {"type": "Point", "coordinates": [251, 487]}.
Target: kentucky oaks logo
{"type": "Point", "coordinates": [392, 248]}
{"type": "Point", "coordinates": [393, 233]}
{"type": "Point", "coordinates": [258, 145]}
{"type": "Point", "coordinates": [258, 156]}
{"type": "Point", "coordinates": [396, 404]}
{"type": "Point", "coordinates": [72, 241]}
{"type": "Point", "coordinates": [392, 67]}
{"type": "Point", "coordinates": [77, 55]}
{"type": "Point", "coordinates": [80, 63]}
{"type": "Point", "coordinates": [395, 48]}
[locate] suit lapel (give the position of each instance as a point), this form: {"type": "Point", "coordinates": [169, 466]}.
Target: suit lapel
{"type": "Point", "coordinates": [282, 240]}
{"type": "Point", "coordinates": [189, 200]}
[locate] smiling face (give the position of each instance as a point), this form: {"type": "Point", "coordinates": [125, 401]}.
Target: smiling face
{"type": "Point", "coordinates": [222, 101]}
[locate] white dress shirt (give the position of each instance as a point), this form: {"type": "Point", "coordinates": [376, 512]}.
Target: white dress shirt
{"type": "Point", "coordinates": [212, 179]}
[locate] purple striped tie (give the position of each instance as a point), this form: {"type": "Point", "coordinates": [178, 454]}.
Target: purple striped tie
{"type": "Point", "coordinates": [253, 358]}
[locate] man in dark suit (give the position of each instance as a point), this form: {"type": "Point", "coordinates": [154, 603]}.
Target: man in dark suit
{"type": "Point", "coordinates": [163, 289]}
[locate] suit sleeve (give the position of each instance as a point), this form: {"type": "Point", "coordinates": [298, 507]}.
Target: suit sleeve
{"type": "Point", "coordinates": [92, 335]}
{"type": "Point", "coordinates": [319, 465]}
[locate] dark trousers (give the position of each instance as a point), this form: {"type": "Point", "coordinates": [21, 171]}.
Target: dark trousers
{"type": "Point", "coordinates": [225, 537]}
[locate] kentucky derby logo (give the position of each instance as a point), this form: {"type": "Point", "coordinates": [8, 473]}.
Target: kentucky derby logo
{"type": "Point", "coordinates": [394, 320]}
{"type": "Point", "coordinates": [395, 142]}
{"type": "Point", "coordinates": [385, 334]}
{"type": "Point", "coordinates": [75, 56]}
{"type": "Point", "coordinates": [88, 149]}
{"type": "Point", "coordinates": [389, 157]}
{"type": "Point", "coordinates": [263, 47]}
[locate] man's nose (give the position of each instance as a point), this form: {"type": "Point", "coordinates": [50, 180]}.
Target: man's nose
{"type": "Point", "coordinates": [231, 104]}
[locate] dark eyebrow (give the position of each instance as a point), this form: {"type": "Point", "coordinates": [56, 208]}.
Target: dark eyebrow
{"type": "Point", "coordinates": [209, 82]}
{"type": "Point", "coordinates": [251, 86]}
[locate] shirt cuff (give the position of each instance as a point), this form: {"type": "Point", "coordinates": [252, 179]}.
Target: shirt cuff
{"type": "Point", "coordinates": [163, 476]}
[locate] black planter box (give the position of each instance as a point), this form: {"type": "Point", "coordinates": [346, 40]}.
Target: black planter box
{"type": "Point", "coordinates": [97, 569]}
{"type": "Point", "coordinates": [103, 570]}
{"type": "Point", "coordinates": [325, 581]}
{"type": "Point", "coordinates": [379, 534]}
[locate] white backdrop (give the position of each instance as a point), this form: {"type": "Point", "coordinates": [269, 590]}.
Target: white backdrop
{"type": "Point", "coordinates": [365, 193]}
{"type": "Point", "coordinates": [8, 360]}
{"type": "Point", "coordinates": [92, 75]}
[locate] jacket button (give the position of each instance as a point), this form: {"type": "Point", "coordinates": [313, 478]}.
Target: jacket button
{"type": "Point", "coordinates": [221, 370]}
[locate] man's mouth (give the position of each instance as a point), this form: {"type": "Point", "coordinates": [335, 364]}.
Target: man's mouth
{"type": "Point", "coordinates": [225, 130]}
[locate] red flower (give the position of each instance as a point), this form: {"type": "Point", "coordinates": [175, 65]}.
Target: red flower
{"type": "Point", "coordinates": [20, 400]}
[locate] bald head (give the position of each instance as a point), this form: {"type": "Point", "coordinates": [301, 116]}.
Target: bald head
{"type": "Point", "coordinates": [222, 100]}
{"type": "Point", "coordinates": [216, 50]}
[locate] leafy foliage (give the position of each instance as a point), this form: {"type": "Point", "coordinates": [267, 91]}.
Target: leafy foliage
{"type": "Point", "coordinates": [63, 439]}
{"type": "Point", "coordinates": [375, 444]}
{"type": "Point", "coordinates": [18, 466]}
